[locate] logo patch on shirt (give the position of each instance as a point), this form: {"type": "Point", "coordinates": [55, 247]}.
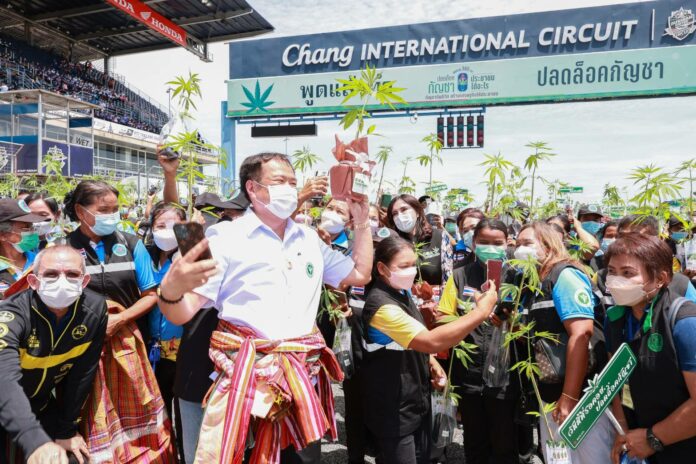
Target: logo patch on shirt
{"type": "Point", "coordinates": [358, 290]}
{"type": "Point", "coordinates": [4, 330]}
{"type": "Point", "coordinates": [310, 269]}
{"type": "Point", "coordinates": [33, 341]}
{"type": "Point", "coordinates": [6, 316]}
{"type": "Point", "coordinates": [3, 345]}
{"type": "Point", "coordinates": [583, 298]}
{"type": "Point", "coordinates": [119, 249]}
{"type": "Point", "coordinates": [655, 342]}
{"type": "Point", "coordinates": [79, 332]}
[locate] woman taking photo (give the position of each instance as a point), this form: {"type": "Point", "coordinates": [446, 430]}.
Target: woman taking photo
{"type": "Point", "coordinates": [487, 413]}
{"type": "Point", "coordinates": [165, 337]}
{"type": "Point", "coordinates": [660, 327]}
{"type": "Point", "coordinates": [565, 308]}
{"type": "Point", "coordinates": [396, 370]}
{"type": "Point", "coordinates": [121, 270]}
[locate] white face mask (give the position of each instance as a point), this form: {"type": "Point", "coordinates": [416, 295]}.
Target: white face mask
{"type": "Point", "coordinates": [406, 221]}
{"type": "Point", "coordinates": [332, 222]}
{"type": "Point", "coordinates": [165, 239]}
{"type": "Point", "coordinates": [525, 252]}
{"type": "Point", "coordinates": [402, 279]}
{"type": "Point", "coordinates": [302, 219]}
{"type": "Point", "coordinates": [59, 294]}
{"type": "Point", "coordinates": [626, 292]}
{"type": "Point", "coordinates": [283, 200]}
{"type": "Point", "coordinates": [374, 225]}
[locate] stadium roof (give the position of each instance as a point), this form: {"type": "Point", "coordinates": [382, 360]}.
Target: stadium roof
{"type": "Point", "coordinates": [95, 29]}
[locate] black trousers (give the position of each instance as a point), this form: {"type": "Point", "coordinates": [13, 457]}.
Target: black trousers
{"type": "Point", "coordinates": [490, 432]}
{"type": "Point", "coordinates": [356, 431]}
{"type": "Point", "coordinates": [409, 449]}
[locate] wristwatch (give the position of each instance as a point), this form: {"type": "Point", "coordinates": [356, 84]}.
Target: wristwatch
{"type": "Point", "coordinates": [654, 442]}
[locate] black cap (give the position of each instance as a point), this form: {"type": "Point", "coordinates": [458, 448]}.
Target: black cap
{"type": "Point", "coordinates": [674, 221]}
{"type": "Point", "coordinates": [589, 209]}
{"type": "Point", "coordinates": [17, 210]}
{"type": "Point", "coordinates": [208, 199]}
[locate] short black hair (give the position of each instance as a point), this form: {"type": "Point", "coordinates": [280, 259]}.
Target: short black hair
{"type": "Point", "coordinates": [251, 168]}
{"type": "Point", "coordinates": [86, 194]}
{"type": "Point", "coordinates": [50, 202]}
{"type": "Point", "coordinates": [494, 224]}
{"type": "Point", "coordinates": [639, 223]}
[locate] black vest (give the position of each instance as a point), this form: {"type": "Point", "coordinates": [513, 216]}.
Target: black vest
{"type": "Point", "coordinates": [394, 382]}
{"type": "Point", "coordinates": [657, 384]}
{"type": "Point", "coordinates": [542, 310]}
{"type": "Point", "coordinates": [115, 278]}
{"type": "Point", "coordinates": [470, 379]}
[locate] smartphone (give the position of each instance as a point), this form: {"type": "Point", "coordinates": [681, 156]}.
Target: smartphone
{"type": "Point", "coordinates": [188, 235]}
{"type": "Point", "coordinates": [341, 297]}
{"type": "Point", "coordinates": [169, 153]}
{"type": "Point", "coordinates": [320, 174]}
{"type": "Point", "coordinates": [385, 199]}
{"type": "Point", "coordinates": [494, 272]}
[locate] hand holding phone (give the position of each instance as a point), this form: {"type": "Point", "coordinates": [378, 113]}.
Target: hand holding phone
{"type": "Point", "coordinates": [188, 235]}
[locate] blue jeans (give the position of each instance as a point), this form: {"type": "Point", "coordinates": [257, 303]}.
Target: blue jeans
{"type": "Point", "coordinates": [191, 419]}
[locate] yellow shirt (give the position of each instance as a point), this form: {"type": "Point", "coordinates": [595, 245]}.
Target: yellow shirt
{"type": "Point", "coordinates": [393, 322]}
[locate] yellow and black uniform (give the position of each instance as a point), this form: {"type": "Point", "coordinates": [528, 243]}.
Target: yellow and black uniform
{"type": "Point", "coordinates": [47, 367]}
{"type": "Point", "coordinates": [395, 381]}
{"type": "Point", "coordinates": [490, 432]}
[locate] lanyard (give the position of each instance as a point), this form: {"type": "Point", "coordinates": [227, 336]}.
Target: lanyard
{"type": "Point", "coordinates": [633, 325]}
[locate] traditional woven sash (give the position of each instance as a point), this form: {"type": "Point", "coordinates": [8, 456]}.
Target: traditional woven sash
{"type": "Point", "coordinates": [300, 415]}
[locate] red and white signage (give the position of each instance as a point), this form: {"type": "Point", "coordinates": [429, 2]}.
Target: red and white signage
{"type": "Point", "coordinates": [151, 19]}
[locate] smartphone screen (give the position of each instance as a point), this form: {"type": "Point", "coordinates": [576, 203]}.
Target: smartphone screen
{"type": "Point", "coordinates": [494, 272]}
{"type": "Point", "coordinates": [188, 235]}
{"type": "Point", "coordinates": [385, 200]}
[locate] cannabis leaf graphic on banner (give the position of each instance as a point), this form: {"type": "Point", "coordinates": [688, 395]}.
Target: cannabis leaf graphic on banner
{"type": "Point", "coordinates": [257, 101]}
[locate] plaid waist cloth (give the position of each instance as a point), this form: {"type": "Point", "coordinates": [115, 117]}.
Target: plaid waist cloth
{"type": "Point", "coordinates": [124, 420]}
{"type": "Point", "coordinates": [284, 371]}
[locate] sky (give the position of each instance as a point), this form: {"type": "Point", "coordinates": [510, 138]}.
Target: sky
{"type": "Point", "coordinates": [596, 142]}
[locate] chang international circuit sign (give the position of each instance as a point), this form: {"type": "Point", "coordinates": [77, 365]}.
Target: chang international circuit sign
{"type": "Point", "coordinates": [639, 49]}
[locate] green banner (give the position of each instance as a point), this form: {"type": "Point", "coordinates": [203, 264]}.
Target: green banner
{"type": "Point", "coordinates": [436, 188]}
{"type": "Point", "coordinates": [642, 72]}
{"type": "Point", "coordinates": [570, 190]}
{"type": "Point", "coordinates": [598, 396]}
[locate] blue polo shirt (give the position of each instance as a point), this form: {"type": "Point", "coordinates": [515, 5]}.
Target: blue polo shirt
{"type": "Point", "coordinates": [141, 261]}
{"type": "Point", "coordinates": [160, 327]}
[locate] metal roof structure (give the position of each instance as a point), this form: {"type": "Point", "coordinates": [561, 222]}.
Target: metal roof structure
{"type": "Point", "coordinates": [95, 29]}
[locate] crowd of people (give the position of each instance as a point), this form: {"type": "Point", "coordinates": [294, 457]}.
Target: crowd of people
{"type": "Point", "coordinates": [23, 67]}
{"type": "Point", "coordinates": [115, 346]}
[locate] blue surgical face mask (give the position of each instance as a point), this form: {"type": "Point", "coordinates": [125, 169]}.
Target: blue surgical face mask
{"type": "Point", "coordinates": [104, 224]}
{"type": "Point", "coordinates": [679, 236]}
{"type": "Point", "coordinates": [606, 242]}
{"type": "Point", "coordinates": [592, 226]}
{"type": "Point", "coordinates": [468, 239]}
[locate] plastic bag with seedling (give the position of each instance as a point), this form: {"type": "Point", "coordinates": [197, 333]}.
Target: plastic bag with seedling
{"type": "Point", "coordinates": [556, 450]}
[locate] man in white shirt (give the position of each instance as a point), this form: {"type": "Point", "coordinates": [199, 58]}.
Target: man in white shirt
{"type": "Point", "coordinates": [266, 280]}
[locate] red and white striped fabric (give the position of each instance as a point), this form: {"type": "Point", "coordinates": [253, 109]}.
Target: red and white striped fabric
{"type": "Point", "coordinates": [297, 372]}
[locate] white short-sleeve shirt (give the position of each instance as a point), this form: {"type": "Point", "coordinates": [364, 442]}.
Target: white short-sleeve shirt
{"type": "Point", "coordinates": [270, 284]}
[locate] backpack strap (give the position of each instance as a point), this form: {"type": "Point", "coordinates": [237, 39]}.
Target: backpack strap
{"type": "Point", "coordinates": [674, 311]}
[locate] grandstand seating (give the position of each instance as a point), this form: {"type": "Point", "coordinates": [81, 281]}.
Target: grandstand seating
{"type": "Point", "coordinates": [25, 67]}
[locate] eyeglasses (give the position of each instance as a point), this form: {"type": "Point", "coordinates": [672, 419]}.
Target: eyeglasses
{"type": "Point", "coordinates": [52, 275]}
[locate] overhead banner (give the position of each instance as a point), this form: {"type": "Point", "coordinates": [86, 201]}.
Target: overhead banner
{"type": "Point", "coordinates": [640, 49]}
{"type": "Point", "coordinates": [151, 19]}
